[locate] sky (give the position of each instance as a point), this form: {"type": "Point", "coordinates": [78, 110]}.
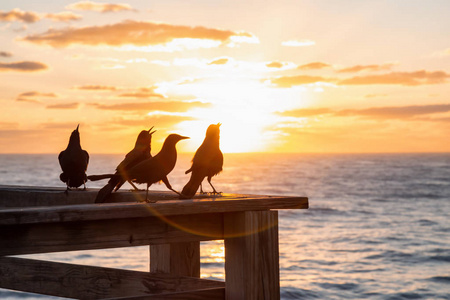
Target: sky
{"type": "Point", "coordinates": [300, 76]}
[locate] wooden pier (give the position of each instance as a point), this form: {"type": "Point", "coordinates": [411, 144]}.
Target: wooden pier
{"type": "Point", "coordinates": [42, 220]}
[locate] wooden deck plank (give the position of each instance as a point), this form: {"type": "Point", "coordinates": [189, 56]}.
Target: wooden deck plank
{"type": "Point", "coordinates": [85, 212]}
{"type": "Point", "coordinates": [100, 234]}
{"type": "Point", "coordinates": [88, 282]}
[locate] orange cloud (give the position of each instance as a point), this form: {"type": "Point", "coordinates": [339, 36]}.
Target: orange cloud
{"type": "Point", "coordinates": [275, 64]}
{"type": "Point", "coordinates": [136, 33]}
{"type": "Point", "coordinates": [306, 112]}
{"type": "Point", "coordinates": [99, 7]}
{"type": "Point", "coordinates": [169, 106]}
{"type": "Point", "coordinates": [5, 54]}
{"type": "Point", "coordinates": [32, 17]}
{"type": "Point", "coordinates": [359, 68]}
{"type": "Point", "coordinates": [400, 78]}
{"type": "Point", "coordinates": [96, 88]}
{"type": "Point", "coordinates": [411, 112]}
{"type": "Point", "coordinates": [289, 81]}
{"type": "Point", "coordinates": [31, 96]}
{"type": "Point", "coordinates": [64, 16]}
{"type": "Point", "coordinates": [314, 65]}
{"type": "Point", "coordinates": [18, 15]}
{"type": "Point", "coordinates": [23, 66]}
{"type": "Point", "coordinates": [72, 105]}
{"type": "Point", "coordinates": [396, 112]}
{"type": "Point", "coordinates": [219, 61]}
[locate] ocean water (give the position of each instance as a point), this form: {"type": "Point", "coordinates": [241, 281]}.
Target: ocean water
{"type": "Point", "coordinates": [378, 226]}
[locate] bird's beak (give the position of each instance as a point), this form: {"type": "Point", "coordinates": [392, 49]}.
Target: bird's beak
{"type": "Point", "coordinates": [151, 130]}
{"type": "Point", "coordinates": [184, 137]}
{"type": "Point", "coordinates": [218, 124]}
{"type": "Point", "coordinates": [77, 127]}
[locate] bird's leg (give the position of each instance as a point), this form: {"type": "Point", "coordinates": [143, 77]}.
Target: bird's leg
{"type": "Point", "coordinates": [146, 195]}
{"type": "Point", "coordinates": [67, 190]}
{"type": "Point", "coordinates": [201, 189]}
{"type": "Point", "coordinates": [214, 190]}
{"type": "Point", "coordinates": [133, 185]}
{"type": "Point", "coordinates": [84, 183]}
{"type": "Point", "coordinates": [166, 182]}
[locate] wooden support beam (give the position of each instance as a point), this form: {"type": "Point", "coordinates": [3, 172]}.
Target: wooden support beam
{"type": "Point", "coordinates": [87, 282]}
{"type": "Point", "coordinates": [182, 259]}
{"type": "Point", "coordinates": [100, 234]}
{"type": "Point", "coordinates": [252, 255]}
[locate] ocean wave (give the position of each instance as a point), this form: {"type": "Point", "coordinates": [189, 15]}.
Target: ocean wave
{"type": "Point", "coordinates": [440, 279]}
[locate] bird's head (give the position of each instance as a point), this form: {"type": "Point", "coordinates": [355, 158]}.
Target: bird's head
{"type": "Point", "coordinates": [213, 131]}
{"type": "Point", "coordinates": [75, 136]}
{"type": "Point", "coordinates": [173, 138]}
{"type": "Point", "coordinates": [145, 137]}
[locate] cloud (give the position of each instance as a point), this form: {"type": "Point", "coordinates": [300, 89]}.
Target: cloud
{"type": "Point", "coordinates": [32, 17]}
{"type": "Point", "coordinates": [396, 112]}
{"type": "Point", "coordinates": [18, 15]}
{"type": "Point", "coordinates": [359, 68]}
{"type": "Point", "coordinates": [289, 81]}
{"type": "Point", "coordinates": [274, 64]}
{"type": "Point", "coordinates": [305, 112]}
{"type": "Point", "coordinates": [142, 93]}
{"type": "Point", "coordinates": [37, 94]}
{"type": "Point", "coordinates": [99, 7]}
{"type": "Point", "coordinates": [31, 96]}
{"type": "Point", "coordinates": [314, 65]}
{"type": "Point", "coordinates": [64, 16]}
{"type": "Point", "coordinates": [136, 34]}
{"type": "Point", "coordinates": [5, 54]}
{"type": "Point", "coordinates": [401, 78]}
{"type": "Point", "coordinates": [95, 88]}
{"type": "Point", "coordinates": [72, 105]}
{"type": "Point", "coordinates": [165, 106]}
{"type": "Point", "coordinates": [219, 61]}
{"type": "Point", "coordinates": [298, 43]}
{"type": "Point", "coordinates": [23, 66]}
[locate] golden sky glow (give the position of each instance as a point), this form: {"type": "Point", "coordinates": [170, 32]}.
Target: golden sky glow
{"type": "Point", "coordinates": [281, 76]}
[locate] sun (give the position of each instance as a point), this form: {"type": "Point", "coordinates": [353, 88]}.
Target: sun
{"type": "Point", "coordinates": [244, 109]}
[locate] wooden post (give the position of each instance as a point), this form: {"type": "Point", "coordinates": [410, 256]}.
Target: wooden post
{"type": "Point", "coordinates": [251, 255]}
{"type": "Point", "coordinates": [181, 259]}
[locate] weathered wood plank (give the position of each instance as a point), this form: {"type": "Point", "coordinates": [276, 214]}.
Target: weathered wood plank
{"type": "Point", "coordinates": [251, 255]}
{"type": "Point", "coordinates": [182, 259]}
{"type": "Point", "coordinates": [26, 196]}
{"type": "Point", "coordinates": [85, 212]}
{"type": "Point", "coordinates": [69, 236]}
{"type": "Point", "coordinates": [205, 294]}
{"type": "Point", "coordinates": [87, 282]}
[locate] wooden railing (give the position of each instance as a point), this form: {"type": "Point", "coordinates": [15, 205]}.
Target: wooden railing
{"type": "Point", "coordinates": [42, 220]}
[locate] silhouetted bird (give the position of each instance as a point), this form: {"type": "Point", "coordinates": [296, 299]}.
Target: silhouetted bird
{"type": "Point", "coordinates": [139, 153]}
{"type": "Point", "coordinates": [207, 162]}
{"type": "Point", "coordinates": [157, 168]}
{"type": "Point", "coordinates": [74, 162]}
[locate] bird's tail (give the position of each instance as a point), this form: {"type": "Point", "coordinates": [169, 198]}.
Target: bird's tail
{"type": "Point", "coordinates": [104, 192]}
{"type": "Point", "coordinates": [100, 177]}
{"type": "Point", "coordinates": [191, 187]}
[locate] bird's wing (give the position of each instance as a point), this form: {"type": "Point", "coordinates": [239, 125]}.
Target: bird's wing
{"type": "Point", "coordinates": [142, 172]}
{"type": "Point", "coordinates": [86, 154]}
{"type": "Point", "coordinates": [131, 159]}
